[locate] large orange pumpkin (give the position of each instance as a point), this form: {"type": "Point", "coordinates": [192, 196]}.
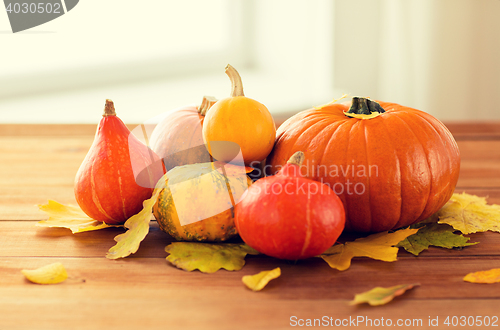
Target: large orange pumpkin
{"type": "Point", "coordinates": [391, 165]}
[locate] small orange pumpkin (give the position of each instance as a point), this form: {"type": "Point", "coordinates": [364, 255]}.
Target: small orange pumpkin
{"type": "Point", "coordinates": [391, 165]}
{"type": "Point", "coordinates": [238, 121]}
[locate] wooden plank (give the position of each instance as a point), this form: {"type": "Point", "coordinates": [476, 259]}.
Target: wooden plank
{"type": "Point", "coordinates": [474, 130]}
{"type": "Point", "coordinates": [149, 292]}
{"type": "Point", "coordinates": [479, 150]}
{"type": "Point", "coordinates": [41, 161]}
{"type": "Point", "coordinates": [310, 279]}
{"type": "Point", "coordinates": [45, 168]}
{"type": "Point", "coordinates": [35, 169]}
{"type": "Point", "coordinates": [479, 130]}
{"type": "Point", "coordinates": [461, 130]}
{"type": "Point", "coordinates": [479, 164]}
{"type": "Point", "coordinates": [139, 308]}
{"type": "Point", "coordinates": [19, 203]}
{"type": "Point", "coordinates": [24, 239]}
{"type": "Point", "coordinates": [53, 130]}
{"type": "Point", "coordinates": [145, 291]}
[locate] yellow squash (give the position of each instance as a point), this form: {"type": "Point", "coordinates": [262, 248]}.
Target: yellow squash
{"type": "Point", "coordinates": [238, 123]}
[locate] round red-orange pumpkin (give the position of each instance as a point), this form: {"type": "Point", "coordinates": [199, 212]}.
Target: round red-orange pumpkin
{"type": "Point", "coordinates": [391, 165]}
{"type": "Point", "coordinates": [290, 217]}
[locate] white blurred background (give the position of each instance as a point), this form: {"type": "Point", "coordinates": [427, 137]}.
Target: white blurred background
{"type": "Point", "coordinates": [440, 56]}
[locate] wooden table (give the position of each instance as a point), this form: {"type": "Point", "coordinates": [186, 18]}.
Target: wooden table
{"type": "Point", "coordinates": [38, 162]}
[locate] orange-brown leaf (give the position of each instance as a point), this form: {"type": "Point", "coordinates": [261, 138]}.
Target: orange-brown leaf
{"type": "Point", "coordinates": [487, 276]}
{"type": "Point", "coordinates": [381, 296]}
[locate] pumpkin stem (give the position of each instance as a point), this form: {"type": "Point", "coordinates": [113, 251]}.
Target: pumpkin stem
{"type": "Point", "coordinates": [206, 104]}
{"type": "Point", "coordinates": [236, 84]}
{"type": "Point", "coordinates": [297, 158]}
{"type": "Point", "coordinates": [364, 106]}
{"type": "Point", "coordinates": [109, 109]}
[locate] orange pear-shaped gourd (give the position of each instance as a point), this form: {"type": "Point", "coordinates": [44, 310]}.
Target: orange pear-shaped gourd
{"type": "Point", "coordinates": [118, 173]}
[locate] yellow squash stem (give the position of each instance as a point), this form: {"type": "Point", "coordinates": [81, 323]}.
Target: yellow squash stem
{"type": "Point", "coordinates": [236, 84]}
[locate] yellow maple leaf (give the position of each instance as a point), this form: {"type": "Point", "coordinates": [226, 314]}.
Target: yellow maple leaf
{"type": "Point", "coordinates": [487, 276]}
{"type": "Point", "coordinates": [138, 227]}
{"type": "Point", "coordinates": [470, 214]}
{"type": "Point", "coordinates": [208, 258]}
{"type": "Point", "coordinates": [258, 281]}
{"type": "Point", "coordinates": [69, 216]}
{"type": "Point", "coordinates": [378, 246]}
{"type": "Point", "coordinates": [381, 296]}
{"type": "Point", "coordinates": [49, 274]}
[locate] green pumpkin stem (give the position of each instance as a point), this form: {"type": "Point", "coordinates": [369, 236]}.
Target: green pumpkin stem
{"type": "Point", "coordinates": [109, 109]}
{"type": "Point", "coordinates": [236, 84]}
{"type": "Point", "coordinates": [364, 106]}
{"type": "Point", "coordinates": [206, 104]}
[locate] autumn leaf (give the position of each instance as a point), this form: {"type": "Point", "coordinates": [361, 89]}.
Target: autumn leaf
{"type": "Point", "coordinates": [208, 258]}
{"type": "Point", "coordinates": [69, 216]}
{"type": "Point", "coordinates": [470, 214]}
{"type": "Point", "coordinates": [381, 296]}
{"type": "Point", "coordinates": [138, 227]}
{"type": "Point", "coordinates": [378, 246]}
{"type": "Point", "coordinates": [49, 274]}
{"type": "Point", "coordinates": [487, 276]}
{"type": "Point", "coordinates": [434, 234]}
{"type": "Point", "coordinates": [258, 281]}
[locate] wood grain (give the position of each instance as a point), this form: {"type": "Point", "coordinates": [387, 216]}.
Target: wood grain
{"type": "Point", "coordinates": [45, 167]}
{"type": "Point", "coordinates": [461, 130]}
{"type": "Point", "coordinates": [310, 279]}
{"type": "Point", "coordinates": [136, 307]}
{"type": "Point", "coordinates": [34, 169]}
{"type": "Point", "coordinates": [474, 130]}
{"type": "Point", "coordinates": [60, 242]}
{"type": "Point", "coordinates": [149, 293]}
{"type": "Point", "coordinates": [39, 162]}
{"type": "Point", "coordinates": [52, 129]}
